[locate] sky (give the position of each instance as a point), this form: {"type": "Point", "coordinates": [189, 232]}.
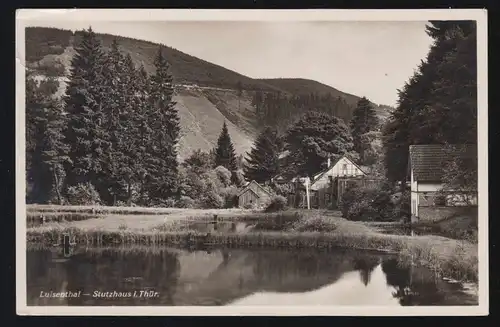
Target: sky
{"type": "Point", "coordinates": [372, 59]}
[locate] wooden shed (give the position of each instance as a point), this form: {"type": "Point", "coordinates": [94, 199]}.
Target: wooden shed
{"type": "Point", "coordinates": [253, 194]}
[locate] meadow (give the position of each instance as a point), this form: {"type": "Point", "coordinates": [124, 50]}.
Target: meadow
{"type": "Point", "coordinates": [327, 230]}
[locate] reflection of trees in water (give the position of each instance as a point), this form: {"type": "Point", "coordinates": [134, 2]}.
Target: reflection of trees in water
{"type": "Point", "coordinates": [121, 271]}
{"type": "Point", "coordinates": [414, 286]}
{"type": "Point", "coordinates": [297, 271]}
{"type": "Point", "coordinates": [42, 274]}
{"type": "Point", "coordinates": [365, 264]}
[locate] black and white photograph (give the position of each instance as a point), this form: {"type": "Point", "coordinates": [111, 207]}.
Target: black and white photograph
{"type": "Point", "coordinates": [250, 162]}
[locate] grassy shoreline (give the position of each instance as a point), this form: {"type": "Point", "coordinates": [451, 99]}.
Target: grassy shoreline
{"type": "Point", "coordinates": [456, 259]}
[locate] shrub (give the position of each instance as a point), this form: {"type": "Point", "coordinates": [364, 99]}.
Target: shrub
{"type": "Point", "coordinates": [163, 203]}
{"type": "Point", "coordinates": [314, 224]}
{"type": "Point", "coordinates": [212, 200]}
{"type": "Point", "coordinates": [185, 202]}
{"type": "Point", "coordinates": [83, 194]}
{"type": "Point", "coordinates": [402, 209]}
{"type": "Point", "coordinates": [277, 203]}
{"type": "Point", "coordinates": [230, 196]}
{"type": "Point", "coordinates": [250, 206]}
{"type": "Point", "coordinates": [224, 175]}
{"type": "Point", "coordinates": [282, 189]}
{"type": "Point", "coordinates": [368, 203]}
{"type": "Point", "coordinates": [238, 178]}
{"type": "Point", "coordinates": [124, 204]}
{"type": "Point", "coordinates": [278, 222]}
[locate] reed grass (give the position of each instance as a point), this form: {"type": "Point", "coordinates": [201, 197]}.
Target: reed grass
{"type": "Point", "coordinates": [38, 216]}
{"type": "Point", "coordinates": [317, 229]}
{"type": "Point", "coordinates": [449, 258]}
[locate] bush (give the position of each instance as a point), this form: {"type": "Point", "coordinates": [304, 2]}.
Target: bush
{"type": "Point", "coordinates": [238, 178]}
{"type": "Point", "coordinates": [163, 203]}
{"type": "Point", "coordinates": [250, 206]}
{"type": "Point", "coordinates": [224, 175]}
{"type": "Point", "coordinates": [83, 194]}
{"type": "Point", "coordinates": [314, 224]}
{"type": "Point", "coordinates": [212, 200]}
{"type": "Point", "coordinates": [402, 209]}
{"type": "Point", "coordinates": [278, 222]}
{"type": "Point", "coordinates": [282, 189]}
{"type": "Point", "coordinates": [230, 196]}
{"type": "Point", "coordinates": [277, 203]}
{"type": "Point", "coordinates": [185, 202]}
{"type": "Point", "coordinates": [368, 203]}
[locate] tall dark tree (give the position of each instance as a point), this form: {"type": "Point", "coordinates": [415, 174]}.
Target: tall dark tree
{"type": "Point", "coordinates": [115, 83]}
{"type": "Point", "coordinates": [86, 132]}
{"type": "Point", "coordinates": [364, 120]}
{"type": "Point", "coordinates": [142, 119]}
{"type": "Point", "coordinates": [224, 152]}
{"type": "Point", "coordinates": [314, 138]}
{"type": "Point", "coordinates": [439, 102]}
{"type": "Point", "coordinates": [262, 162]}
{"type": "Point", "coordinates": [49, 151]}
{"type": "Point", "coordinates": [163, 164]}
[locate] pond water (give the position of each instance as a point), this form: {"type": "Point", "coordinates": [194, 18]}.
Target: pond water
{"type": "Point", "coordinates": [116, 276]}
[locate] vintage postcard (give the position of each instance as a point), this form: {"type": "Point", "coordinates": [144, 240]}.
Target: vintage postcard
{"type": "Point", "coordinates": [252, 162]}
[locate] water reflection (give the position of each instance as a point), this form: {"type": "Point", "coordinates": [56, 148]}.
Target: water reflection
{"type": "Point", "coordinates": [229, 276]}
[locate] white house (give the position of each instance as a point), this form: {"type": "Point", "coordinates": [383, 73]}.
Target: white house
{"type": "Point", "coordinates": [327, 186]}
{"type": "Point", "coordinates": [425, 169]}
{"type": "Point", "coordinates": [343, 167]}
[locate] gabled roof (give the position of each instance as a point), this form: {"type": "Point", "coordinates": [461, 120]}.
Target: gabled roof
{"type": "Point", "coordinates": [324, 171]}
{"type": "Point", "coordinates": [247, 186]}
{"type": "Point", "coordinates": [429, 160]}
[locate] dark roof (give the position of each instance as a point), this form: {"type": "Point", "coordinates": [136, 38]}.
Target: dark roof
{"type": "Point", "coordinates": [428, 160]}
{"type": "Point", "coordinates": [247, 186]}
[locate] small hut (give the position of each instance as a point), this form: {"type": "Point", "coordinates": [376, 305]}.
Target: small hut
{"type": "Point", "coordinates": [253, 194]}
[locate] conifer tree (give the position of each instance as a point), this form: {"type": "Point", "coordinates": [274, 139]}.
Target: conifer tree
{"type": "Point", "coordinates": [262, 162]}
{"type": "Point", "coordinates": [49, 152]}
{"type": "Point", "coordinates": [115, 84]}
{"type": "Point", "coordinates": [164, 123]}
{"type": "Point", "coordinates": [364, 120]}
{"type": "Point", "coordinates": [86, 132]}
{"type": "Point", "coordinates": [438, 104]}
{"type": "Point", "coordinates": [143, 119]}
{"type": "Point", "coordinates": [224, 152]}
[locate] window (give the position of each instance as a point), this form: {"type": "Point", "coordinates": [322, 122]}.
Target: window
{"type": "Point", "coordinates": [344, 169]}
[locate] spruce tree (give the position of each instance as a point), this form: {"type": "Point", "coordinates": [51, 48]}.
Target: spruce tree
{"type": "Point", "coordinates": [165, 127]}
{"type": "Point", "coordinates": [49, 151]}
{"type": "Point", "coordinates": [224, 152]}
{"type": "Point", "coordinates": [86, 131]}
{"type": "Point", "coordinates": [364, 120]}
{"type": "Point", "coordinates": [115, 84]}
{"type": "Point", "coordinates": [262, 162]}
{"type": "Point", "coordinates": [439, 102]}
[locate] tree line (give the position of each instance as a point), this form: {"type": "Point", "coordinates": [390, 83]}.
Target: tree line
{"type": "Point", "coordinates": [112, 138]}
{"type": "Point", "coordinates": [309, 141]}
{"type": "Point", "coordinates": [278, 109]}
{"type": "Point", "coordinates": [114, 133]}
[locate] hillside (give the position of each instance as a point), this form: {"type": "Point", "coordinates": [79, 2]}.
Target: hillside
{"type": "Point", "coordinates": [205, 93]}
{"type": "Point", "coordinates": [304, 86]}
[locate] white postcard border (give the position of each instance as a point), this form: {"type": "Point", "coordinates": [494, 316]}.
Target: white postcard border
{"type": "Point", "coordinates": [26, 17]}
